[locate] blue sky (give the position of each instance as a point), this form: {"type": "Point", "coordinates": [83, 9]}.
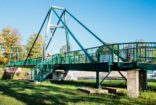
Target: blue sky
{"type": "Point", "coordinates": [111, 20]}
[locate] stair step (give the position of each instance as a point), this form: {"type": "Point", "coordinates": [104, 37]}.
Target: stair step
{"type": "Point", "coordinates": [45, 73]}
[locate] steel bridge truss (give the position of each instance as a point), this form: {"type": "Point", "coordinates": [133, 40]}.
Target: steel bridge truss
{"type": "Point", "coordinates": [104, 58]}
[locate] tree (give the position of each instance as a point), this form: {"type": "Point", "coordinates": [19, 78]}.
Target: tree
{"type": "Point", "coordinates": [63, 53]}
{"type": "Point", "coordinates": [37, 49]}
{"type": "Point", "coordinates": [63, 49]}
{"type": "Point", "coordinates": [9, 39]}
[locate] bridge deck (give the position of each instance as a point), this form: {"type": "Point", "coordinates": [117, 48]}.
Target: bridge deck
{"type": "Point", "coordinates": [121, 57]}
{"type": "Point", "coordinates": [102, 67]}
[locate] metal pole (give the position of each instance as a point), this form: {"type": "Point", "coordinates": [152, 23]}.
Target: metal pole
{"type": "Point", "coordinates": [17, 54]}
{"type": "Point", "coordinates": [136, 52]}
{"type": "Point", "coordinates": [145, 54]}
{"type": "Point", "coordinates": [67, 39]}
{"type": "Point", "coordinates": [98, 79]}
{"type": "Point", "coordinates": [112, 53]}
{"type": "Point", "coordinates": [54, 30]}
{"type": "Point", "coordinates": [118, 52]}
{"type": "Point", "coordinates": [45, 37]}
{"type": "Point", "coordinates": [10, 57]}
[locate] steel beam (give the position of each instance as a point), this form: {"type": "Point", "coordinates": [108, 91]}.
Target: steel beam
{"type": "Point", "coordinates": [58, 8]}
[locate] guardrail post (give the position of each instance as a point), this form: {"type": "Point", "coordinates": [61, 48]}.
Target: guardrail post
{"type": "Point", "coordinates": [145, 54]}
{"type": "Point", "coordinates": [112, 53]}
{"type": "Point", "coordinates": [136, 58]}
{"type": "Point", "coordinates": [118, 52]}
{"type": "Point", "coordinates": [74, 59]}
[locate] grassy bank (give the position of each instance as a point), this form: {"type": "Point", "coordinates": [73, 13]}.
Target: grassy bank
{"type": "Point", "coordinates": [13, 92]}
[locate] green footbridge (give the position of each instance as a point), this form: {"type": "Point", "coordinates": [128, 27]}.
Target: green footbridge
{"type": "Point", "coordinates": [104, 58]}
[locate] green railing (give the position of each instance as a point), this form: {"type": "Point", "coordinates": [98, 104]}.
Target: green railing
{"type": "Point", "coordinates": [144, 52]}
{"type": "Point", "coordinates": [131, 52]}
{"type": "Point", "coordinates": [30, 62]}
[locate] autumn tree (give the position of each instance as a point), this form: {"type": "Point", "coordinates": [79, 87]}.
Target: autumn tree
{"type": "Point", "coordinates": [37, 49]}
{"type": "Point", "coordinates": [9, 40]}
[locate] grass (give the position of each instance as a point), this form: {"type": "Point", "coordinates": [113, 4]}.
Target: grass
{"type": "Point", "coordinates": [13, 92]}
{"type": "Point", "coordinates": [18, 92]}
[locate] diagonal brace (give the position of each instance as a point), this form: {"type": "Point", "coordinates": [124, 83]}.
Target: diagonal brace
{"type": "Point", "coordinates": [86, 53]}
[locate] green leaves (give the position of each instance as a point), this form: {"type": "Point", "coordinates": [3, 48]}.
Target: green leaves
{"type": "Point", "coordinates": [37, 49]}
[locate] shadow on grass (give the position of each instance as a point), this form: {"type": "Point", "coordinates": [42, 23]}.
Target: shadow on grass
{"type": "Point", "coordinates": [47, 95]}
{"type": "Point", "coordinates": [107, 83]}
{"type": "Point", "coordinates": [75, 83]}
{"type": "Point", "coordinates": [59, 94]}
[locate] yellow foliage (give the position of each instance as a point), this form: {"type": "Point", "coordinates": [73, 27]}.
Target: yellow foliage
{"type": "Point", "coordinates": [8, 38]}
{"type": "Point", "coordinates": [3, 59]}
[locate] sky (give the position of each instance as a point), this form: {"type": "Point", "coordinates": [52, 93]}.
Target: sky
{"type": "Point", "coordinates": [112, 20]}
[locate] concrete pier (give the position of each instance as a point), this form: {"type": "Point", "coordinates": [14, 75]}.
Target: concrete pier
{"type": "Point", "coordinates": [133, 83]}
{"type": "Point", "coordinates": [9, 72]}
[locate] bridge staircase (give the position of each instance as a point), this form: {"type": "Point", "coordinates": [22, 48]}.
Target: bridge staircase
{"type": "Point", "coordinates": [44, 69]}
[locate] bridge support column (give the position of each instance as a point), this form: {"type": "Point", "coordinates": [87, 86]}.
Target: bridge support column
{"type": "Point", "coordinates": [143, 80]}
{"type": "Point", "coordinates": [97, 79]}
{"type": "Point", "coordinates": [133, 83]}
